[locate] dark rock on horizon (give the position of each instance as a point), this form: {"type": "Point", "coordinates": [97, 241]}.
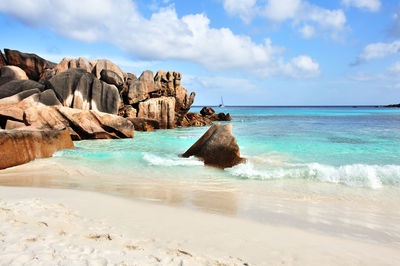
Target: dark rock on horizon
{"type": "Point", "coordinates": [21, 146]}
{"type": "Point", "coordinates": [393, 105]}
{"type": "Point", "coordinates": [33, 65]}
{"type": "Point", "coordinates": [77, 88]}
{"type": "Point", "coordinates": [220, 117]}
{"type": "Point", "coordinates": [217, 147]}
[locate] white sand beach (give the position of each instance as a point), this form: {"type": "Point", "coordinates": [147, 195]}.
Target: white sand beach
{"type": "Point", "coordinates": [41, 226]}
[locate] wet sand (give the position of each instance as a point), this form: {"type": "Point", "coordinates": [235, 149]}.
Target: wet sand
{"type": "Point", "coordinates": [292, 222]}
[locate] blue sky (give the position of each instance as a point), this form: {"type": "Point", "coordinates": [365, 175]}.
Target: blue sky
{"type": "Point", "coordinates": [265, 52]}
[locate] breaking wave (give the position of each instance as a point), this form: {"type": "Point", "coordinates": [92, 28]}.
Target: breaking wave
{"type": "Point", "coordinates": [153, 159]}
{"type": "Point", "coordinates": [357, 175]}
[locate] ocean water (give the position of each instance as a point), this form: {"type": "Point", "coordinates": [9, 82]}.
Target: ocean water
{"type": "Point", "coordinates": [356, 147]}
{"type": "Point", "coordinates": [330, 169]}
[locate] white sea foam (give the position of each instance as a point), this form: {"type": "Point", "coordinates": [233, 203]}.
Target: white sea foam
{"type": "Point", "coordinates": [359, 175]}
{"type": "Point", "coordinates": [153, 159]}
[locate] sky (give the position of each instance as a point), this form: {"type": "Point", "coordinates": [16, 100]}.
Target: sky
{"type": "Point", "coordinates": [250, 52]}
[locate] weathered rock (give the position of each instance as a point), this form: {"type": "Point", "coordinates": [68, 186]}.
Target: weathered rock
{"type": "Point", "coordinates": [183, 103]}
{"type": "Point", "coordinates": [32, 64]}
{"type": "Point", "coordinates": [10, 125]}
{"type": "Point", "coordinates": [8, 73]}
{"type": "Point", "coordinates": [79, 89]}
{"type": "Point", "coordinates": [67, 63]}
{"type": "Point", "coordinates": [220, 117]}
{"type": "Point", "coordinates": [16, 98]}
{"type": "Point", "coordinates": [16, 86]}
{"type": "Point", "coordinates": [217, 147]}
{"type": "Point", "coordinates": [82, 124]}
{"type": "Point", "coordinates": [207, 111]}
{"type": "Point", "coordinates": [160, 109]}
{"type": "Point", "coordinates": [143, 124]}
{"type": "Point", "coordinates": [99, 65]}
{"type": "Point", "coordinates": [111, 77]}
{"type": "Point", "coordinates": [127, 111]}
{"type": "Point", "coordinates": [19, 147]}
{"type": "Point", "coordinates": [140, 89]}
{"type": "Point", "coordinates": [194, 120]}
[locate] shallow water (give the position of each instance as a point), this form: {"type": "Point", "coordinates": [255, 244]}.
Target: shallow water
{"type": "Point", "coordinates": [334, 170]}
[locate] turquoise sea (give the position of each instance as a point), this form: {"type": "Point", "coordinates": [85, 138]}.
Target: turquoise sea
{"type": "Point", "coordinates": [332, 169]}
{"type": "Point", "coordinates": [357, 147]}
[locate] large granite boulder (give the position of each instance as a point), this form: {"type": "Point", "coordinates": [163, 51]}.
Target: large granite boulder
{"type": "Point", "coordinates": [33, 65]}
{"type": "Point", "coordinates": [217, 147]}
{"type": "Point", "coordinates": [77, 88]}
{"type": "Point", "coordinates": [220, 117]}
{"type": "Point", "coordinates": [16, 86]}
{"type": "Point", "coordinates": [140, 89]}
{"type": "Point", "coordinates": [8, 73]}
{"type": "Point", "coordinates": [160, 109]}
{"type": "Point", "coordinates": [47, 97]}
{"type": "Point", "coordinates": [104, 64]}
{"type": "Point", "coordinates": [21, 146]}
{"type": "Point", "coordinates": [112, 78]}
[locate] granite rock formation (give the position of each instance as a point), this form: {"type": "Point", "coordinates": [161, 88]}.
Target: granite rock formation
{"type": "Point", "coordinates": [77, 88]}
{"type": "Point", "coordinates": [9, 73]}
{"type": "Point", "coordinates": [21, 146]}
{"type": "Point", "coordinates": [33, 65]}
{"type": "Point", "coordinates": [217, 147]}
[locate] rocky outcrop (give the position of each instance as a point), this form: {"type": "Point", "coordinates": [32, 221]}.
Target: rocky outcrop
{"type": "Point", "coordinates": [207, 111]}
{"type": "Point", "coordinates": [21, 146]}
{"type": "Point", "coordinates": [9, 73]}
{"type": "Point", "coordinates": [16, 86]}
{"type": "Point", "coordinates": [143, 124]}
{"type": "Point", "coordinates": [169, 84]}
{"type": "Point", "coordinates": [195, 120]}
{"type": "Point", "coordinates": [220, 117]}
{"type": "Point", "coordinates": [82, 124]}
{"type": "Point", "coordinates": [33, 65]}
{"type": "Point", "coordinates": [217, 147]}
{"type": "Point", "coordinates": [140, 89]}
{"type": "Point", "coordinates": [160, 109]}
{"type": "Point", "coordinates": [77, 88]}
{"type": "Point", "coordinates": [67, 63]}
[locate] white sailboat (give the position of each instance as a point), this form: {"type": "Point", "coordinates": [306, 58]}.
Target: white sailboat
{"type": "Point", "coordinates": [222, 103]}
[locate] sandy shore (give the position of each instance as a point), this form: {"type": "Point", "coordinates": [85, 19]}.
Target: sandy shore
{"type": "Point", "coordinates": [49, 226]}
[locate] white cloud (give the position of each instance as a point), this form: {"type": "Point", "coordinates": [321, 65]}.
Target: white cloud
{"type": "Point", "coordinates": [280, 10]}
{"type": "Point", "coordinates": [377, 51]}
{"type": "Point", "coordinates": [395, 69]}
{"type": "Point", "coordinates": [298, 11]}
{"type": "Point", "coordinates": [302, 66]}
{"type": "Point", "coordinates": [163, 36]}
{"type": "Point", "coordinates": [371, 5]}
{"type": "Point", "coordinates": [245, 9]}
{"type": "Point", "coordinates": [307, 31]}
